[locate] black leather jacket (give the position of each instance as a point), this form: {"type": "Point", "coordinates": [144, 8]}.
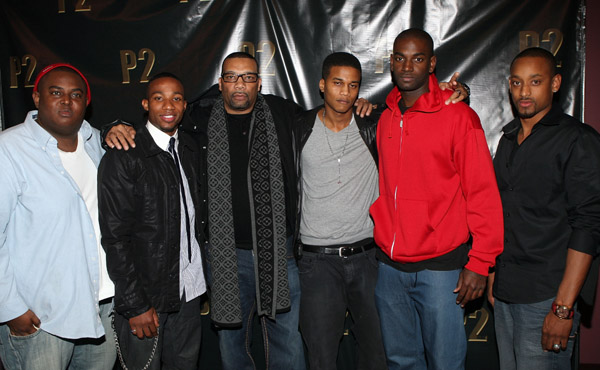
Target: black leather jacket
{"type": "Point", "coordinates": [302, 129]}
{"type": "Point", "coordinates": [139, 205]}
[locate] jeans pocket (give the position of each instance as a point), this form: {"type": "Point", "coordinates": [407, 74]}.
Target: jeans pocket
{"type": "Point", "coordinates": [306, 263]}
{"type": "Point", "coordinates": [370, 255]}
{"type": "Point", "coordinates": [24, 337]}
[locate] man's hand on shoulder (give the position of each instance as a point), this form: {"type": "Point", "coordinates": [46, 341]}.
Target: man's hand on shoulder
{"type": "Point", "coordinates": [364, 107]}
{"type": "Point", "coordinates": [470, 286]}
{"type": "Point", "coordinates": [26, 324]}
{"type": "Point", "coordinates": [460, 91]}
{"type": "Point", "coordinates": [121, 137]}
{"type": "Point", "coordinates": [145, 325]}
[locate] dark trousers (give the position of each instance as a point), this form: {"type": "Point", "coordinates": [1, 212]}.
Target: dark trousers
{"type": "Point", "coordinates": [178, 340]}
{"type": "Point", "coordinates": [330, 286]}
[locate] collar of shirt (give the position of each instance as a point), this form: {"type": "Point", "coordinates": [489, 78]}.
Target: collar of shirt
{"type": "Point", "coordinates": [44, 138]}
{"type": "Point", "coordinates": [160, 138]}
{"type": "Point", "coordinates": [550, 119]}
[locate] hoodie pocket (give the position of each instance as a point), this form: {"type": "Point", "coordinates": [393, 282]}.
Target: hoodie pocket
{"type": "Point", "coordinates": [382, 212]}
{"type": "Point", "coordinates": [414, 230]}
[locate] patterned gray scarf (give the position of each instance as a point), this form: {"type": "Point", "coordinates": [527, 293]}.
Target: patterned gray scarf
{"type": "Point", "coordinates": [267, 211]}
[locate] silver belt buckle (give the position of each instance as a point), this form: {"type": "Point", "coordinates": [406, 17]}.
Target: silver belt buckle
{"type": "Point", "coordinates": [340, 251]}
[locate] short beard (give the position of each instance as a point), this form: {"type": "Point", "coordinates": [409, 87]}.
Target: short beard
{"type": "Point", "coordinates": [526, 115]}
{"type": "Point", "coordinates": [242, 106]}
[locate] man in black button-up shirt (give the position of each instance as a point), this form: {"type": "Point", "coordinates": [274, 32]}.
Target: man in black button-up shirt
{"type": "Point", "coordinates": [548, 171]}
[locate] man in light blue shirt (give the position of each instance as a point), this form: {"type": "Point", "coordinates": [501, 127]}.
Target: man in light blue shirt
{"type": "Point", "coordinates": [54, 287]}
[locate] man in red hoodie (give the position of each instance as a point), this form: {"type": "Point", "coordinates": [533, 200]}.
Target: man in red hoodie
{"type": "Point", "coordinates": [438, 219]}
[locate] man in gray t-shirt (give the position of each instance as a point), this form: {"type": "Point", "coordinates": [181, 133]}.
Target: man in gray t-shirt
{"type": "Point", "coordinates": [338, 178]}
{"type": "Point", "coordinates": [339, 184]}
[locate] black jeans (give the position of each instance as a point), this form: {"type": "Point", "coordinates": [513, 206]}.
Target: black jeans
{"type": "Point", "coordinates": [330, 286]}
{"type": "Point", "coordinates": [178, 340]}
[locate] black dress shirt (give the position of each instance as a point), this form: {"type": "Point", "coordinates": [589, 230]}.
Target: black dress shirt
{"type": "Point", "coordinates": [550, 189]}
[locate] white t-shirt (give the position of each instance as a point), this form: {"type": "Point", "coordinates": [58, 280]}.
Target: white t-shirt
{"type": "Point", "coordinates": [81, 168]}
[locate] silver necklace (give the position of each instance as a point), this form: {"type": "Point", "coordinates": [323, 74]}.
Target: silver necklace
{"type": "Point", "coordinates": [339, 158]}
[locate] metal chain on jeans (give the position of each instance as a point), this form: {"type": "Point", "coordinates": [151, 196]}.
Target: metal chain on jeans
{"type": "Point", "coordinates": [120, 355]}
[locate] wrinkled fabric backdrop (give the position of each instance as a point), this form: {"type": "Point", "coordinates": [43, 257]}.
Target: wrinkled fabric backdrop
{"type": "Point", "coordinates": [118, 44]}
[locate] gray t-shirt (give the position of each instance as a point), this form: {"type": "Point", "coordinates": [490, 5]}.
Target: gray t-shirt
{"type": "Point", "coordinates": [336, 196]}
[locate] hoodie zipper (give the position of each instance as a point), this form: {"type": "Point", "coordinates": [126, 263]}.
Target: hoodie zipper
{"type": "Point", "coordinates": [396, 189]}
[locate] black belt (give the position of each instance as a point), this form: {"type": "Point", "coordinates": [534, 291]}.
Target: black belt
{"type": "Point", "coordinates": [340, 250]}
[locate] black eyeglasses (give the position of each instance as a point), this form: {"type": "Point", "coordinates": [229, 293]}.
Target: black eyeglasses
{"type": "Point", "coordinates": [231, 77]}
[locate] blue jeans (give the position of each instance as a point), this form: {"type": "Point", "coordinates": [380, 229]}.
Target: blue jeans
{"type": "Point", "coordinates": [332, 285]}
{"type": "Point", "coordinates": [44, 351]}
{"type": "Point", "coordinates": [421, 324]}
{"type": "Point", "coordinates": [519, 337]}
{"type": "Point", "coordinates": [282, 340]}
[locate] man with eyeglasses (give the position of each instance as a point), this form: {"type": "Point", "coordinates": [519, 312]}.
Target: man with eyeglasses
{"type": "Point", "coordinates": [251, 212]}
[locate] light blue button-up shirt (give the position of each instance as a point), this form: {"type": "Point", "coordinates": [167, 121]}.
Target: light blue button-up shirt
{"type": "Point", "coordinates": [48, 250]}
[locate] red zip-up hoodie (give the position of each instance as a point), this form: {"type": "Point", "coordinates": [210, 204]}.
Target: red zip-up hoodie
{"type": "Point", "coordinates": [436, 182]}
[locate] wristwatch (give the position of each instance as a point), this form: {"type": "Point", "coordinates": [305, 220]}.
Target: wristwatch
{"type": "Point", "coordinates": [466, 88]}
{"type": "Point", "coordinates": [562, 312]}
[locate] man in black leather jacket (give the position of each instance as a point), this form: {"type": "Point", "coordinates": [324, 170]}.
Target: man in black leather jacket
{"type": "Point", "coordinates": [149, 198]}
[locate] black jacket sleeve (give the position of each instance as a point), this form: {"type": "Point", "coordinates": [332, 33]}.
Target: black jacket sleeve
{"type": "Point", "coordinates": [116, 204]}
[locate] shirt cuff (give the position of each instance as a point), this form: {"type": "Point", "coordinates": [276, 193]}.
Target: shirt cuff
{"type": "Point", "coordinates": [584, 242]}
{"type": "Point", "coordinates": [477, 266]}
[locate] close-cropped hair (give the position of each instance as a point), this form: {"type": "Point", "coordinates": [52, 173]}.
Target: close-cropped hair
{"type": "Point", "coordinates": [538, 53]}
{"type": "Point", "coordinates": [417, 33]}
{"type": "Point", "coordinates": [339, 59]}
{"type": "Point", "coordinates": [161, 75]}
{"type": "Point", "coordinates": [239, 54]}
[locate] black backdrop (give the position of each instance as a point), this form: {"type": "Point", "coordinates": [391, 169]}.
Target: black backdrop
{"type": "Point", "coordinates": [118, 44]}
